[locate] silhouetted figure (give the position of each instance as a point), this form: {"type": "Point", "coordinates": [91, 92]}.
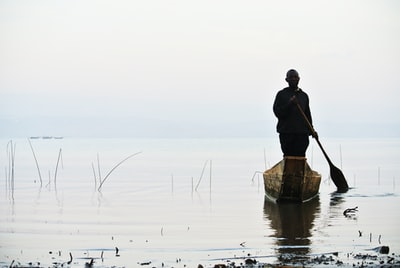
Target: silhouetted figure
{"type": "Point", "coordinates": [292, 128]}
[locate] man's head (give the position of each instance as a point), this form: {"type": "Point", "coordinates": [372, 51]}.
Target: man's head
{"type": "Point", "coordinates": [292, 77]}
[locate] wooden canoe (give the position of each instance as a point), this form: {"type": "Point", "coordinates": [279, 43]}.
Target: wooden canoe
{"type": "Point", "coordinates": [291, 179]}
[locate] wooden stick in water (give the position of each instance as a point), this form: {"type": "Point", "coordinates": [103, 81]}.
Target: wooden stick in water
{"type": "Point", "coordinates": [201, 176]}
{"type": "Point", "coordinates": [58, 161]}
{"type": "Point", "coordinates": [109, 173]}
{"type": "Point", "coordinates": [98, 167]}
{"type": "Point", "coordinates": [94, 174]}
{"type": "Point", "coordinates": [37, 164]}
{"type": "Point", "coordinates": [210, 174]}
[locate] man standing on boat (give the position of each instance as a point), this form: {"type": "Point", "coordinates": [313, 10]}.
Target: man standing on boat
{"type": "Point", "coordinates": [292, 128]}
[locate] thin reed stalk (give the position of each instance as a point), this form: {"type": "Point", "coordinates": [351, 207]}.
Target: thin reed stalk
{"type": "Point", "coordinates": [11, 164]}
{"type": "Point", "coordinates": [210, 174]}
{"type": "Point", "coordinates": [98, 167]}
{"type": "Point", "coordinates": [5, 169]}
{"type": "Point", "coordinates": [94, 174]}
{"type": "Point", "coordinates": [62, 161]}
{"type": "Point", "coordinates": [109, 173]}
{"type": "Point", "coordinates": [48, 184]}
{"type": "Point", "coordinates": [254, 175]}
{"type": "Point", "coordinates": [379, 176]}
{"type": "Point", "coordinates": [37, 164]}
{"type": "Point", "coordinates": [265, 159]}
{"type": "Point", "coordinates": [202, 173]}
{"type": "Point", "coordinates": [55, 173]}
{"type": "Point", "coordinates": [12, 170]}
{"type": "Point", "coordinates": [8, 169]}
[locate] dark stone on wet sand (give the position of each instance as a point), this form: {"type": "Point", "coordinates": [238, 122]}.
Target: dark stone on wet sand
{"type": "Point", "coordinates": [384, 250]}
{"type": "Point", "coordinates": [250, 261]}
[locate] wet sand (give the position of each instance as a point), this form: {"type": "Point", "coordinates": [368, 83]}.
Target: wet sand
{"type": "Point", "coordinates": [334, 259]}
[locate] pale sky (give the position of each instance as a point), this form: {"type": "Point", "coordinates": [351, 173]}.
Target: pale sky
{"type": "Point", "coordinates": [208, 67]}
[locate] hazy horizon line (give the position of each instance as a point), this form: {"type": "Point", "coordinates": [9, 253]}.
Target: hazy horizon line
{"type": "Point", "coordinates": [142, 127]}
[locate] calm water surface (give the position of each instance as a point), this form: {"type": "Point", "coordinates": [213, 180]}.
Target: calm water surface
{"type": "Point", "coordinates": [195, 201]}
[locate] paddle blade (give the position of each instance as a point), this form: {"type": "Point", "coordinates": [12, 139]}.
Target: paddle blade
{"type": "Point", "coordinates": [338, 179]}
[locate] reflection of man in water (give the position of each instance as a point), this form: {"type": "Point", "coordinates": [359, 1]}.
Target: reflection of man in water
{"type": "Point", "coordinates": [292, 223]}
{"type": "Point", "coordinates": [292, 128]}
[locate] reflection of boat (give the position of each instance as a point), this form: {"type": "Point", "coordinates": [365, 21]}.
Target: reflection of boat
{"type": "Point", "coordinates": [291, 179]}
{"type": "Point", "coordinates": [292, 223]}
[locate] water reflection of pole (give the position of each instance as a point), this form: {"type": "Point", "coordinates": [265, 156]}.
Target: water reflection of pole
{"type": "Point", "coordinates": [292, 223]}
{"type": "Point", "coordinates": [337, 198]}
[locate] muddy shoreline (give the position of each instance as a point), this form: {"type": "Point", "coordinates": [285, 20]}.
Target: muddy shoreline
{"type": "Point", "coordinates": [374, 258]}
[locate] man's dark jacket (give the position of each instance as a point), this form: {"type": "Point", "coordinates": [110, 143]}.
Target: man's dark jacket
{"type": "Point", "coordinates": [289, 117]}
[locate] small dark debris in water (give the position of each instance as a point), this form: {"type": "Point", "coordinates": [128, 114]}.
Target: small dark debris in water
{"type": "Point", "coordinates": [70, 258]}
{"type": "Point", "coordinates": [382, 249]}
{"type": "Point", "coordinates": [365, 257]}
{"type": "Point", "coordinates": [89, 264]}
{"type": "Point", "coordinates": [324, 259]}
{"type": "Point", "coordinates": [200, 266]}
{"type": "Point", "coordinates": [250, 261]}
{"type": "Point", "coordinates": [359, 233]}
{"type": "Point", "coordinates": [116, 252]}
{"type": "Point", "coordinates": [243, 244]}
{"type": "Point", "coordinates": [390, 260]}
{"type": "Point", "coordinates": [350, 211]}
{"type": "Point", "coordinates": [293, 260]}
{"type": "Point", "coordinates": [145, 263]}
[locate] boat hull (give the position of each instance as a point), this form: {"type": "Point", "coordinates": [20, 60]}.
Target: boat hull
{"type": "Point", "coordinates": [291, 179]}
